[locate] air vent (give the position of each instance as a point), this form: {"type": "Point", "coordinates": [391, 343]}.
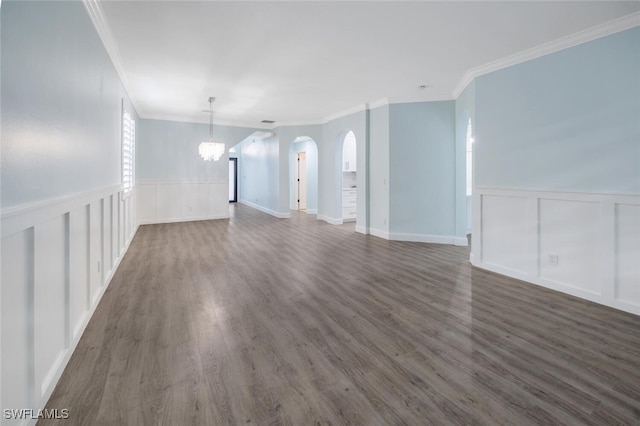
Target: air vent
{"type": "Point", "coordinates": [268, 121]}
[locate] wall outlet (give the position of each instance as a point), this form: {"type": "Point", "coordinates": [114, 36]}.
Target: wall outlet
{"type": "Point", "coordinates": [553, 259]}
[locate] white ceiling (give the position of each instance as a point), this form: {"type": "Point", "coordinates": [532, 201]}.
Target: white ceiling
{"type": "Point", "coordinates": [303, 61]}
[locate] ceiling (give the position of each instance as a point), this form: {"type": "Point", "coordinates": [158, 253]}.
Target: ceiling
{"type": "Point", "coordinates": [303, 61]}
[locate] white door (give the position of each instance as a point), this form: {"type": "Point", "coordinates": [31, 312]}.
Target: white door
{"type": "Point", "coordinates": [302, 181]}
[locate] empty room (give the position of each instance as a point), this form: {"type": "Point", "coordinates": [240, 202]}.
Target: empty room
{"type": "Point", "coordinates": [320, 212]}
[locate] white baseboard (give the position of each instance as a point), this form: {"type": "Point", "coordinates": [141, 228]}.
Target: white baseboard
{"type": "Point", "coordinates": [461, 241]}
{"type": "Point", "coordinates": [422, 238]}
{"type": "Point", "coordinates": [361, 229]}
{"type": "Point", "coordinates": [280, 215]}
{"type": "Point", "coordinates": [98, 222]}
{"type": "Point", "coordinates": [178, 220]}
{"type": "Point", "coordinates": [594, 238]}
{"type": "Point", "coordinates": [312, 211]}
{"type": "Point", "coordinates": [379, 233]}
{"type": "Point", "coordinates": [416, 238]}
{"type": "Point", "coordinates": [330, 220]}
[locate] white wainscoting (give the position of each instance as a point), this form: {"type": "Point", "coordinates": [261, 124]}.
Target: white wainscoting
{"type": "Point", "coordinates": [584, 244]}
{"type": "Point", "coordinates": [182, 201]}
{"type": "Point", "coordinates": [57, 259]}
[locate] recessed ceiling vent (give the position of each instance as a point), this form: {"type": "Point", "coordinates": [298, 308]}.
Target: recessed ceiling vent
{"type": "Point", "coordinates": [268, 121]}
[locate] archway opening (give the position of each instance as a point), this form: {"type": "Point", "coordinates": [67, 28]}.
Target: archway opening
{"type": "Point", "coordinates": [303, 172]}
{"type": "Point", "coordinates": [469, 178]}
{"type": "Point", "coordinates": [349, 178]}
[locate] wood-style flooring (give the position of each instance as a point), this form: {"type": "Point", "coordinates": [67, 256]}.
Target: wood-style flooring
{"type": "Point", "coordinates": [258, 320]}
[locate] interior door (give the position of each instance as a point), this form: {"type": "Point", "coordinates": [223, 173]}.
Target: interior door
{"type": "Point", "coordinates": [233, 180]}
{"type": "Point", "coordinates": [302, 181]}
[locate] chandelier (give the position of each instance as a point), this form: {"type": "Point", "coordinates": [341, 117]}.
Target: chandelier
{"type": "Point", "coordinates": [211, 150]}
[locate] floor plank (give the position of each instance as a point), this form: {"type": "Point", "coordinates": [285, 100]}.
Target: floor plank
{"type": "Point", "coordinates": [258, 320]}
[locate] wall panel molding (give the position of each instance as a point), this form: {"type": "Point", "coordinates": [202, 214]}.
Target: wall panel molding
{"type": "Point", "coordinates": [583, 244]}
{"type": "Point", "coordinates": [166, 201]}
{"type": "Point", "coordinates": [54, 273]}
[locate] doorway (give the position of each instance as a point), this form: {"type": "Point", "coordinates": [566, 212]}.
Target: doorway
{"type": "Point", "coordinates": [349, 178]}
{"type": "Point", "coordinates": [303, 175]}
{"type": "Point", "coordinates": [302, 181]}
{"type": "Point", "coordinates": [233, 180]}
{"type": "Point", "coordinates": [469, 177]}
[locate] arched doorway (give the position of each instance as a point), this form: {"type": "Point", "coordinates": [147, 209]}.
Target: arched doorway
{"type": "Point", "coordinates": [469, 175]}
{"type": "Point", "coordinates": [349, 178]}
{"type": "Point", "coordinates": [303, 173]}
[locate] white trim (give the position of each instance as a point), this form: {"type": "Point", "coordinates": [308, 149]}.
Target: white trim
{"type": "Point", "coordinates": [330, 220]}
{"type": "Point", "coordinates": [379, 233]}
{"type": "Point", "coordinates": [416, 238]}
{"type": "Point", "coordinates": [18, 218]}
{"type": "Point", "coordinates": [297, 123]}
{"type": "Point", "coordinates": [422, 238]}
{"type": "Point", "coordinates": [183, 119]}
{"type": "Point", "coordinates": [62, 362]}
{"type": "Point", "coordinates": [178, 220]}
{"type": "Point", "coordinates": [22, 217]}
{"type": "Point", "coordinates": [590, 34]}
{"type": "Point", "coordinates": [563, 288]}
{"type": "Point", "coordinates": [361, 229]}
{"type": "Point", "coordinates": [95, 12]}
{"type": "Point", "coordinates": [349, 111]}
{"type": "Point", "coordinates": [461, 241]}
{"type": "Point", "coordinates": [312, 211]}
{"type": "Point", "coordinates": [279, 215]}
{"type": "Point", "coordinates": [416, 99]}
{"type": "Point", "coordinates": [378, 103]}
{"type": "Point", "coordinates": [530, 271]}
{"type": "Point", "coordinates": [181, 181]}
{"type": "Point", "coordinates": [614, 197]}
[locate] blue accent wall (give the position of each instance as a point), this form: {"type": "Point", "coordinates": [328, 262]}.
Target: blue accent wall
{"type": "Point", "coordinates": [422, 168]}
{"type": "Point", "coordinates": [379, 169]}
{"type": "Point", "coordinates": [566, 121]}
{"type": "Point", "coordinates": [61, 104]}
{"type": "Point", "coordinates": [168, 150]}
{"type": "Point", "coordinates": [259, 172]}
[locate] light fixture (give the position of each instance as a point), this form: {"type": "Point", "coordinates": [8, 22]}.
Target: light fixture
{"type": "Point", "coordinates": [211, 150]}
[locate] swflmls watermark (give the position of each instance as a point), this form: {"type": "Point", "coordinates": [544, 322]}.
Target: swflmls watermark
{"type": "Point", "coordinates": [31, 414]}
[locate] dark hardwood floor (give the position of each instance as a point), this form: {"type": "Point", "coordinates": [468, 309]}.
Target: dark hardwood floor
{"type": "Point", "coordinates": [257, 320]}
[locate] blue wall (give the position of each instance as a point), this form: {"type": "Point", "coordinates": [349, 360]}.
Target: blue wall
{"type": "Point", "coordinates": [565, 121]}
{"type": "Point", "coordinates": [258, 175]}
{"type": "Point", "coordinates": [61, 104]}
{"type": "Point", "coordinates": [422, 168]}
{"type": "Point", "coordinates": [168, 150]}
{"type": "Point", "coordinates": [379, 170]}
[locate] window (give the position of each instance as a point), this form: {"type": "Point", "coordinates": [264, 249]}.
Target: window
{"type": "Point", "coordinates": [128, 153]}
{"type": "Point", "coordinates": [469, 158]}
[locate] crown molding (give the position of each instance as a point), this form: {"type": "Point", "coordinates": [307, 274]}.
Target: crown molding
{"type": "Point", "coordinates": [413, 100]}
{"type": "Point", "coordinates": [181, 119]}
{"type": "Point", "coordinates": [295, 123]}
{"type": "Point", "coordinates": [378, 103]}
{"type": "Point", "coordinates": [95, 12]}
{"type": "Point", "coordinates": [349, 111]}
{"type": "Point", "coordinates": [590, 34]}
